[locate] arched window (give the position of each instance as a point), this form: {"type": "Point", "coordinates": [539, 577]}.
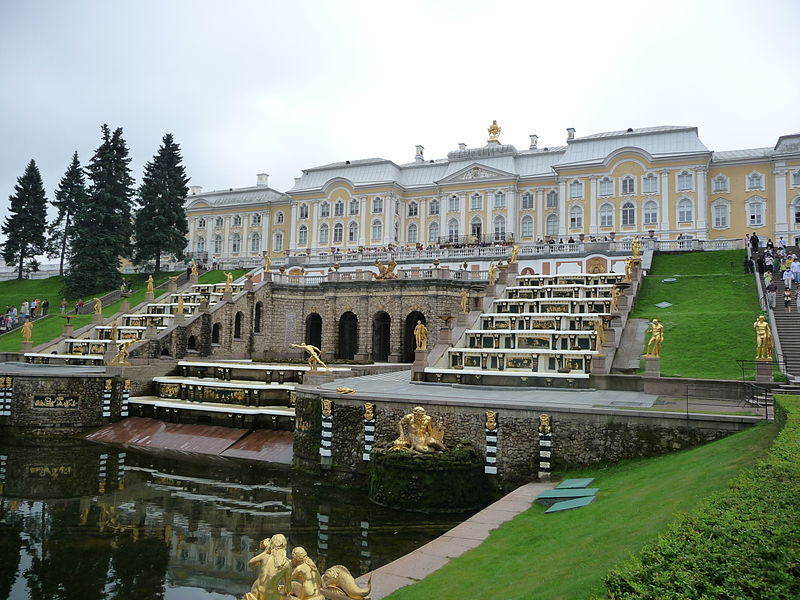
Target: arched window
{"type": "Point", "coordinates": [377, 230]}
{"type": "Point", "coordinates": [452, 203]}
{"type": "Point", "coordinates": [551, 225]}
{"type": "Point", "coordinates": [650, 184]}
{"type": "Point", "coordinates": [755, 181]}
{"type": "Point", "coordinates": [433, 207]}
{"type": "Point", "coordinates": [279, 218]}
{"type": "Point", "coordinates": [237, 325]}
{"type": "Point", "coordinates": [237, 220]}
{"type": "Point", "coordinates": [278, 241]}
{"type": "Point", "coordinates": [527, 200]}
{"type": "Point", "coordinates": [411, 238]}
{"type": "Point", "coordinates": [720, 212]}
{"type": "Point", "coordinates": [354, 206]}
{"type": "Point", "coordinates": [257, 312]}
{"type": "Point", "coordinates": [576, 189]}
{"type": "Point", "coordinates": [476, 202]}
{"type": "Point", "coordinates": [499, 228]}
{"type": "Point", "coordinates": [338, 209]}
{"type": "Point", "coordinates": [720, 184]}
{"type": "Point", "coordinates": [218, 244]}
{"type": "Point", "coordinates": [215, 333]}
{"type": "Point", "coordinates": [324, 234]}
{"type": "Point", "coordinates": [201, 223]}
{"type": "Point", "coordinates": [255, 219]}
{"type": "Point", "coordinates": [755, 211]}
{"type": "Point", "coordinates": [452, 230]}
{"type": "Point", "coordinates": [302, 236]}
{"type": "Point", "coordinates": [606, 187]}
{"type": "Point", "coordinates": [338, 233]}
{"type": "Point", "coordinates": [796, 210]}
{"type": "Point", "coordinates": [552, 199]}
{"type": "Point", "coordinates": [433, 232]}
{"type": "Point", "coordinates": [352, 232]}
{"type": "Point", "coordinates": [324, 210]}
{"type": "Point", "coordinates": [499, 200]}
{"type": "Point", "coordinates": [684, 181]}
{"type": "Point", "coordinates": [576, 217]}
{"type": "Point", "coordinates": [255, 242]}
{"type": "Point", "coordinates": [628, 214]}
{"type": "Point", "coordinates": [650, 213]}
{"type": "Point", "coordinates": [606, 215]}
{"type": "Point", "coordinates": [527, 227]}
{"type": "Point", "coordinates": [303, 213]}
{"type": "Point", "coordinates": [476, 227]}
{"type": "Point", "coordinates": [200, 246]}
{"type": "Point", "coordinates": [628, 185]}
{"type": "Point", "coordinates": [685, 211]}
{"type": "Point", "coordinates": [218, 222]}
{"type": "Point", "coordinates": [377, 205]}
{"type": "Point", "coordinates": [413, 209]}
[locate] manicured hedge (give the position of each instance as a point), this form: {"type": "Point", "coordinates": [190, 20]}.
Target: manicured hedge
{"type": "Point", "coordinates": [743, 543]}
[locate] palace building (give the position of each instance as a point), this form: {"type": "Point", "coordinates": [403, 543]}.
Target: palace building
{"type": "Point", "coordinates": [660, 182]}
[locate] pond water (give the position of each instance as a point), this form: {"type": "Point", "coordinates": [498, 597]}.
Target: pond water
{"type": "Point", "coordinates": [86, 522]}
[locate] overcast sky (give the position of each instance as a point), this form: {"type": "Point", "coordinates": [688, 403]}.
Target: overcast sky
{"type": "Point", "coordinates": [276, 87]}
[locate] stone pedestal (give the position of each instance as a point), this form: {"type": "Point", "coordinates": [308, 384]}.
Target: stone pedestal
{"type": "Point", "coordinates": [69, 328]}
{"type": "Point", "coordinates": [600, 364]}
{"type": "Point", "coordinates": [110, 353]}
{"type": "Point", "coordinates": [179, 319]}
{"type": "Point", "coordinates": [27, 347]}
{"type": "Point", "coordinates": [248, 284]}
{"type": "Point", "coordinates": [113, 370]}
{"type": "Point", "coordinates": [361, 356]}
{"type": "Point", "coordinates": [151, 332]}
{"type": "Point", "coordinates": [203, 305]}
{"type": "Point", "coordinates": [445, 335]}
{"type": "Point", "coordinates": [513, 270]}
{"type": "Point", "coordinates": [652, 366]}
{"type": "Point", "coordinates": [172, 286]}
{"type": "Point", "coordinates": [611, 337]}
{"type": "Point", "coordinates": [622, 303]}
{"type": "Point", "coordinates": [490, 290]}
{"type": "Point", "coordinates": [763, 371]}
{"type": "Point", "coordinates": [97, 319]}
{"type": "Point", "coordinates": [461, 320]}
{"type": "Point", "coordinates": [149, 296]}
{"type": "Point", "coordinates": [126, 303]}
{"type": "Point", "coordinates": [502, 274]}
{"type": "Point", "coordinates": [317, 377]}
{"type": "Point", "coordinates": [227, 296]}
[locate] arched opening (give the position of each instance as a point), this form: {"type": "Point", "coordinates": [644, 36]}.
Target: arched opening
{"type": "Point", "coordinates": [314, 330]}
{"type": "Point", "coordinates": [237, 326]}
{"type": "Point", "coordinates": [215, 331]}
{"type": "Point", "coordinates": [257, 317]}
{"type": "Point", "coordinates": [409, 341]}
{"type": "Point", "coordinates": [191, 343]}
{"type": "Point", "coordinates": [381, 329]}
{"type": "Point", "coordinates": [348, 336]}
{"type": "Point", "coordinates": [166, 352]}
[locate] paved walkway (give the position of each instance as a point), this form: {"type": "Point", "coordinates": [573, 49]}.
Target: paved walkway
{"type": "Point", "coordinates": [399, 385]}
{"type": "Point", "coordinates": [434, 555]}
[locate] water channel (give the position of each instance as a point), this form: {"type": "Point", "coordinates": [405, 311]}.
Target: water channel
{"type": "Point", "coordinates": [81, 521]}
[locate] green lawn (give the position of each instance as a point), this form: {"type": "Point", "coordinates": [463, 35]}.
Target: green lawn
{"type": "Point", "coordinates": [566, 555]}
{"type": "Point", "coordinates": [218, 276]}
{"type": "Point", "coordinates": [710, 322]}
{"type": "Point", "coordinates": [47, 328]}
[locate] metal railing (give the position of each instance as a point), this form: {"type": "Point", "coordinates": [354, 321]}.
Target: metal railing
{"type": "Point", "coordinates": [406, 275]}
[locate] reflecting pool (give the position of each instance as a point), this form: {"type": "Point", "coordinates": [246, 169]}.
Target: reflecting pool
{"type": "Point", "coordinates": [86, 522]}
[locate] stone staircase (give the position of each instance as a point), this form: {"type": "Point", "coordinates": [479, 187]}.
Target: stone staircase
{"type": "Point", "coordinates": [787, 323]}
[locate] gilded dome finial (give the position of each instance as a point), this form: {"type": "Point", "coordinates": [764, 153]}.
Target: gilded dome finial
{"type": "Point", "coordinates": [494, 131]}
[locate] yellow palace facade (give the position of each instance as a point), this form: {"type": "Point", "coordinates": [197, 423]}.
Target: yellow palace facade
{"type": "Point", "coordinates": [661, 182]}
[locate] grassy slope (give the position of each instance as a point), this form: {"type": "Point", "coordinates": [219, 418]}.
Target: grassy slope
{"type": "Point", "coordinates": [47, 328]}
{"type": "Point", "coordinates": [218, 276]}
{"type": "Point", "coordinates": [710, 322]}
{"type": "Point", "coordinates": [566, 555]}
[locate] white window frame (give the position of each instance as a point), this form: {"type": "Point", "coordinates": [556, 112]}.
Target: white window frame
{"type": "Point", "coordinates": [355, 206]}
{"type": "Point", "coordinates": [338, 208]}
{"type": "Point", "coordinates": [452, 230]}
{"type": "Point", "coordinates": [219, 222]}
{"type": "Point", "coordinates": [277, 245]}
{"type": "Point", "coordinates": [433, 232]}
{"type": "Point", "coordinates": [236, 243]}
{"type": "Point", "coordinates": [303, 211]}
{"type": "Point", "coordinates": [411, 233]}
{"type": "Point", "coordinates": [759, 184]}
{"type": "Point", "coordinates": [499, 199]}
{"type": "Point", "coordinates": [794, 180]}
{"type": "Point", "coordinates": [685, 215]}
{"type": "Point", "coordinates": [499, 227]}
{"type": "Point", "coordinates": [325, 210]}
{"type": "Point", "coordinates": [551, 225]}
{"type": "Point", "coordinates": [575, 189]}
{"type": "Point", "coordinates": [237, 220]}
{"type": "Point", "coordinates": [218, 244]}
{"type": "Point", "coordinates": [255, 219]}
{"type": "Point", "coordinates": [324, 234]}
{"type": "Point", "coordinates": [476, 201]}
{"type": "Point", "coordinates": [338, 233]}
{"type": "Point", "coordinates": [684, 181]}
{"type": "Point", "coordinates": [377, 230]}
{"type": "Point", "coordinates": [413, 209]}
{"type": "Point", "coordinates": [200, 244]}
{"type": "Point", "coordinates": [279, 218]}
{"type": "Point", "coordinates": [527, 201]}
{"type": "Point", "coordinates": [527, 227]}
{"type": "Point", "coordinates": [453, 204]}
{"type": "Point", "coordinates": [750, 206]}
{"type": "Point", "coordinates": [628, 185]}
{"type": "Point", "coordinates": [650, 178]}
{"type": "Point", "coordinates": [433, 207]}
{"type": "Point", "coordinates": [302, 236]}
{"type": "Point", "coordinates": [377, 205]}
{"type": "Point", "coordinates": [795, 204]}
{"type": "Point", "coordinates": [352, 232]}
{"type": "Point", "coordinates": [201, 223]}
{"type": "Point", "coordinates": [724, 205]}
{"type": "Point", "coordinates": [576, 217]}
{"type": "Point", "coordinates": [628, 214]}
{"type": "Point", "coordinates": [724, 186]}
{"type": "Point", "coordinates": [255, 242]}
{"type": "Point", "coordinates": [607, 215]}
{"type": "Point", "coordinates": [605, 187]}
{"type": "Point", "coordinates": [650, 213]}
{"type": "Point", "coordinates": [551, 199]}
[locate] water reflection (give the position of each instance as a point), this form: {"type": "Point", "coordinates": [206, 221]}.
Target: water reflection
{"type": "Point", "coordinates": [80, 521]}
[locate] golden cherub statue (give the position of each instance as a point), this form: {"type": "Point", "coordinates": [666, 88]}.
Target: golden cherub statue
{"type": "Point", "coordinates": [492, 273]}
{"type": "Point", "coordinates": [386, 271]}
{"type": "Point", "coordinates": [628, 269]}
{"type": "Point", "coordinates": [267, 263]}
{"type": "Point", "coordinates": [274, 571]}
{"type": "Point", "coordinates": [656, 332]}
{"type": "Point", "coordinates": [150, 284]}
{"type": "Point", "coordinates": [421, 336]}
{"type": "Point", "coordinates": [494, 131]}
{"type": "Point", "coordinates": [422, 436]}
{"type": "Point", "coordinates": [514, 254]}
{"type": "Point", "coordinates": [27, 331]}
{"type": "Point", "coordinates": [763, 339]}
{"type": "Point", "coordinates": [464, 301]}
{"type": "Point", "coordinates": [98, 306]}
{"type": "Point", "coordinates": [314, 359]}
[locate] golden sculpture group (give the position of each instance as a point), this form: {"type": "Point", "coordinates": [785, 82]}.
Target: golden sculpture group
{"type": "Point", "coordinates": [763, 339]}
{"type": "Point", "coordinates": [386, 271]}
{"type": "Point", "coordinates": [281, 578]}
{"type": "Point", "coordinates": [314, 359]}
{"type": "Point", "coordinates": [418, 433]}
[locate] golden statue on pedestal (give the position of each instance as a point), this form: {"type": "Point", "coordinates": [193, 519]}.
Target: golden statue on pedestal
{"type": "Point", "coordinates": [421, 336]}
{"type": "Point", "coordinates": [615, 294]}
{"type": "Point", "coordinates": [628, 269]}
{"type": "Point", "coordinates": [123, 352]}
{"type": "Point", "coordinates": [267, 263]}
{"type": "Point", "coordinates": [494, 132]}
{"type": "Point", "coordinates": [514, 254]}
{"type": "Point", "coordinates": [464, 301]}
{"type": "Point", "coordinates": [492, 273]}
{"type": "Point", "coordinates": [386, 271]}
{"type": "Point", "coordinates": [228, 282]}
{"type": "Point", "coordinates": [763, 339]}
{"type": "Point", "coordinates": [656, 332]}
{"type": "Point", "coordinates": [422, 436]}
{"type": "Point", "coordinates": [636, 248]}
{"type": "Point", "coordinates": [98, 306]}
{"type": "Point", "coordinates": [600, 334]}
{"type": "Point", "coordinates": [27, 331]}
{"type": "Point", "coordinates": [114, 331]}
{"type": "Point", "coordinates": [179, 308]}
{"type": "Point", "coordinates": [314, 359]}
{"type": "Point", "coordinates": [150, 285]}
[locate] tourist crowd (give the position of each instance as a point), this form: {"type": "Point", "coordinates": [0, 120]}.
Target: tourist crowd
{"type": "Point", "coordinates": [773, 263]}
{"type": "Point", "coordinates": [14, 317]}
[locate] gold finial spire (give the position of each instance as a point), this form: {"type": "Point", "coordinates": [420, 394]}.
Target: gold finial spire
{"type": "Point", "coordinates": [494, 131]}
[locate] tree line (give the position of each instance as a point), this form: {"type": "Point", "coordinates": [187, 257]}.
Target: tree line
{"type": "Point", "coordinates": [101, 217]}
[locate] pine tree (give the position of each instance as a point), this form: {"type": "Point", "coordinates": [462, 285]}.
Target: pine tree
{"type": "Point", "coordinates": [102, 227]}
{"type": "Point", "coordinates": [161, 225]}
{"type": "Point", "coordinates": [24, 227]}
{"type": "Point", "coordinates": [70, 195]}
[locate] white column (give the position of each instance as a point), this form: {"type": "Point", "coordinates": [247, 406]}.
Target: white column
{"type": "Point", "coordinates": [702, 203]}
{"type": "Point", "coordinates": [562, 207]}
{"type": "Point", "coordinates": [462, 217]}
{"type": "Point", "coordinates": [192, 223]}
{"type": "Point", "coordinates": [665, 200]}
{"type": "Point", "coordinates": [388, 223]}
{"type": "Point", "coordinates": [781, 220]}
{"type": "Point", "coordinates": [539, 233]}
{"type": "Point", "coordinates": [313, 221]}
{"type": "Point", "coordinates": [422, 225]}
{"type": "Point", "coordinates": [592, 216]}
{"type": "Point", "coordinates": [512, 226]}
{"type": "Point", "coordinates": [210, 238]}
{"type": "Point", "coordinates": [266, 223]}
{"type": "Point", "coordinates": [292, 227]}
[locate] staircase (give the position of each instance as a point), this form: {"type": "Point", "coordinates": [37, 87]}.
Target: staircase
{"type": "Point", "coordinates": [787, 324]}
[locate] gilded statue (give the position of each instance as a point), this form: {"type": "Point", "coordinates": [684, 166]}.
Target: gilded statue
{"type": "Point", "coordinates": [464, 301]}
{"type": "Point", "coordinates": [194, 268]}
{"type": "Point", "coordinates": [369, 411]}
{"type": "Point", "coordinates": [421, 336]}
{"type": "Point", "coordinates": [636, 248]}
{"type": "Point", "coordinates": [228, 281]}
{"type": "Point", "coordinates": [514, 254]}
{"type": "Point", "coordinates": [339, 584]}
{"type": "Point", "coordinates": [494, 132]}
{"type": "Point", "coordinates": [267, 263]}
{"type": "Point", "coordinates": [492, 273]}
{"type": "Point", "coordinates": [150, 285]}
{"type": "Point", "coordinates": [345, 390]}
{"type": "Point", "coordinates": [27, 331]}
{"type": "Point", "coordinates": [545, 425]}
{"type": "Point", "coordinates": [600, 333]}
{"type": "Point", "coordinates": [179, 308]}
{"type": "Point", "coordinates": [114, 331]}
{"type": "Point", "coordinates": [305, 578]}
{"type": "Point", "coordinates": [491, 420]}
{"type": "Point", "coordinates": [628, 269]}
{"type": "Point", "coordinates": [422, 436]}
{"type": "Point", "coordinates": [763, 339]}
{"type": "Point", "coordinates": [656, 332]}
{"type": "Point", "coordinates": [274, 570]}
{"type": "Point", "coordinates": [123, 352]}
{"type": "Point", "coordinates": [314, 359]}
{"type": "Point", "coordinates": [98, 306]}
{"type": "Point", "coordinates": [615, 294]}
{"type": "Point", "coordinates": [386, 271]}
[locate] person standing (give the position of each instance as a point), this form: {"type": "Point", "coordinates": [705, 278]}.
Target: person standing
{"type": "Point", "coordinates": [23, 311]}
{"type": "Point", "coordinates": [796, 270]}
{"type": "Point", "coordinates": [754, 242]}
{"type": "Point", "coordinates": [772, 290]}
{"type": "Point", "coordinates": [787, 299]}
{"type": "Point", "coordinates": [782, 243]}
{"type": "Point", "coordinates": [787, 279]}
{"type": "Point", "coordinates": [45, 307]}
